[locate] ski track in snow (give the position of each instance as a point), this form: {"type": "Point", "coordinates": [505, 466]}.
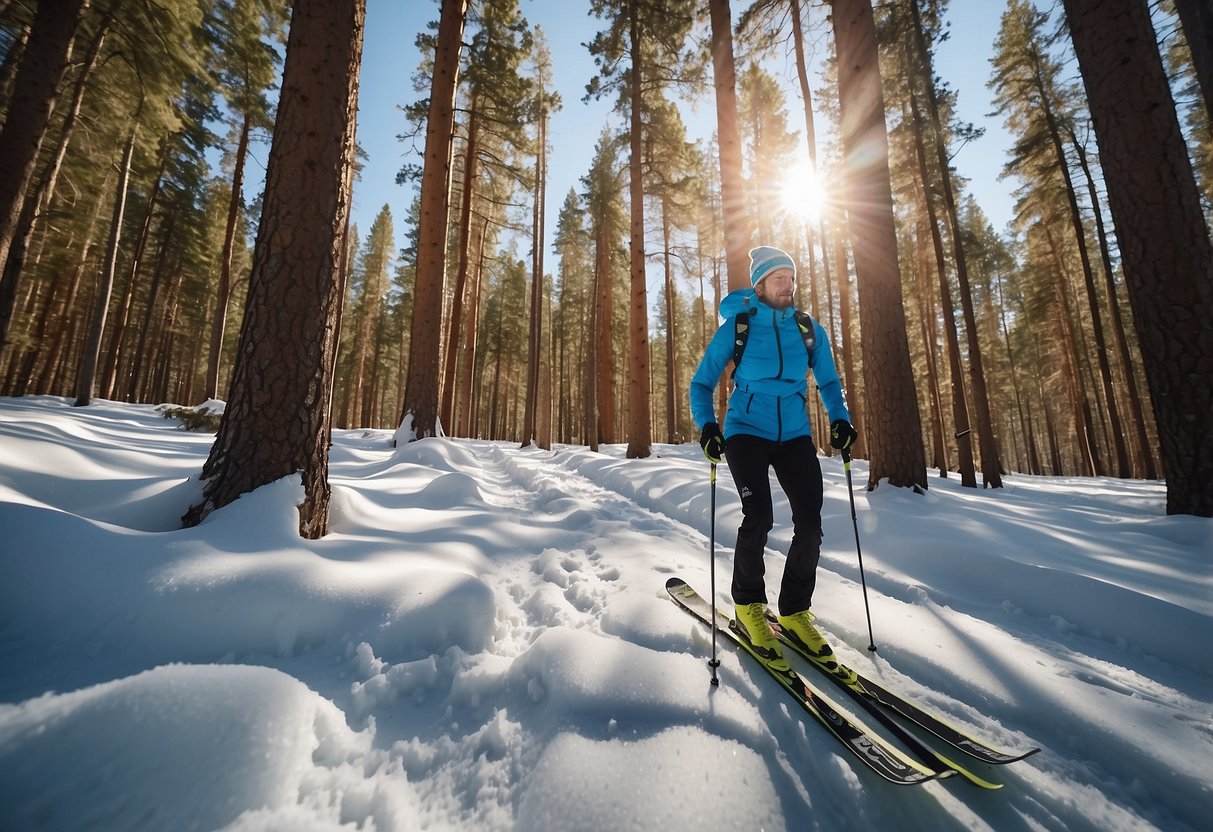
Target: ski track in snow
{"type": "Point", "coordinates": [537, 484]}
{"type": "Point", "coordinates": [491, 622]}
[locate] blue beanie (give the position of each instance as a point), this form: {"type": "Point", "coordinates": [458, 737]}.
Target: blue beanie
{"type": "Point", "coordinates": [766, 259]}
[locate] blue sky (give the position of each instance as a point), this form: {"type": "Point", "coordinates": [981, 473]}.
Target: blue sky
{"type": "Point", "coordinates": [390, 59]}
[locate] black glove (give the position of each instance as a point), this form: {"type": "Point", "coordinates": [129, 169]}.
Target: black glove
{"type": "Point", "coordinates": [842, 435]}
{"type": "Point", "coordinates": [712, 442]}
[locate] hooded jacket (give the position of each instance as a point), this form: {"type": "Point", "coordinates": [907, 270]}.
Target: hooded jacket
{"type": "Point", "coordinates": [770, 391]}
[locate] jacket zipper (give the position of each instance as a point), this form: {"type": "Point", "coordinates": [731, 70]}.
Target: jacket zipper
{"type": "Point", "coordinates": [778, 343]}
{"type": "Point", "coordinates": [778, 400]}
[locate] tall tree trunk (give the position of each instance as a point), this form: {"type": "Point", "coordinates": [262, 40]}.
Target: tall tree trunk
{"type": "Point", "coordinates": [367, 339]}
{"type": "Point", "coordinates": [1161, 229]}
{"type": "Point", "coordinates": [54, 354]}
{"type": "Point", "coordinates": [1070, 352]}
{"type": "Point", "coordinates": [114, 354]}
{"type": "Point", "coordinates": [894, 426]}
{"type": "Point", "coordinates": [737, 227]}
{"type": "Point", "coordinates": [991, 465]}
{"type": "Point", "coordinates": [35, 90]}
{"type": "Point", "coordinates": [1145, 453]}
{"type": "Point", "coordinates": [926, 304]}
{"type": "Point", "coordinates": [87, 377]}
{"type": "Point", "coordinates": [640, 428]}
{"type": "Point", "coordinates": [535, 340]}
{"type": "Point", "coordinates": [1080, 240]}
{"type": "Point", "coordinates": [137, 259]}
{"type": "Point", "coordinates": [419, 418]}
{"type": "Point", "coordinates": [156, 387]}
{"type": "Point", "coordinates": [467, 192]}
{"type": "Point", "coordinates": [543, 427]}
{"type": "Point", "coordinates": [1025, 414]}
{"type": "Point", "coordinates": [960, 402]}
{"type": "Point", "coordinates": [137, 381]}
{"type": "Point", "coordinates": [41, 196]}
{"type": "Point", "coordinates": [277, 420]}
{"type": "Point", "coordinates": [590, 394]}
{"type": "Point", "coordinates": [1196, 17]}
{"type": "Point", "coordinates": [223, 293]}
{"type": "Point", "coordinates": [463, 405]}
{"type": "Point", "coordinates": [671, 361]}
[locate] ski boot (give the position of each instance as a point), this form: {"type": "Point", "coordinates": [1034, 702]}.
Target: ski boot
{"type": "Point", "coordinates": [751, 624]}
{"type": "Point", "coordinates": [799, 629]}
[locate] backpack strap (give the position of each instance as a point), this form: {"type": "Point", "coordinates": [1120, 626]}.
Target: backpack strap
{"type": "Point", "coordinates": [741, 336]}
{"type": "Point", "coordinates": [808, 333]}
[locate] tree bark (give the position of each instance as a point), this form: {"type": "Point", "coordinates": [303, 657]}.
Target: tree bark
{"type": "Point", "coordinates": [1162, 233]}
{"type": "Point", "coordinates": [468, 190]}
{"type": "Point", "coordinates": [1196, 17]}
{"type": "Point", "coordinates": [671, 361]}
{"type": "Point", "coordinates": [535, 339]}
{"type": "Point", "coordinates": [1145, 466]}
{"type": "Point", "coordinates": [738, 230]}
{"type": "Point", "coordinates": [960, 401]}
{"type": "Point", "coordinates": [1077, 390]}
{"type": "Point", "coordinates": [419, 418]}
{"type": "Point", "coordinates": [277, 420]}
{"type": "Point", "coordinates": [86, 379]}
{"type": "Point", "coordinates": [466, 410]}
{"type": "Point", "coordinates": [43, 193]}
{"type": "Point", "coordinates": [1080, 240]}
{"type": "Point", "coordinates": [137, 381]}
{"type": "Point", "coordinates": [640, 429]}
{"type": "Point", "coordinates": [894, 426]}
{"type": "Point", "coordinates": [35, 91]}
{"type": "Point", "coordinates": [991, 465]}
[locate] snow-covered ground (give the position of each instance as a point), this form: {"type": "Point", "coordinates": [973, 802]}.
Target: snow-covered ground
{"type": "Point", "coordinates": [484, 641]}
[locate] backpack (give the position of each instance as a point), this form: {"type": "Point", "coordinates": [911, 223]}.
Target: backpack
{"type": "Point", "coordinates": [741, 335]}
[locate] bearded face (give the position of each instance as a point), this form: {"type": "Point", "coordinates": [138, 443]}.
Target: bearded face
{"type": "Point", "coordinates": [778, 289]}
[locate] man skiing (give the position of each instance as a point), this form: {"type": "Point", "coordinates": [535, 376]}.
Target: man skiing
{"type": "Point", "coordinates": [768, 427]}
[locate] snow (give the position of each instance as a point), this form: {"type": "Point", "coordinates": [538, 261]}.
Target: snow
{"type": "Point", "coordinates": [483, 641]}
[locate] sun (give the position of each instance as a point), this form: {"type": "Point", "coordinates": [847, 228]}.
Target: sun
{"type": "Point", "coordinates": [801, 193]}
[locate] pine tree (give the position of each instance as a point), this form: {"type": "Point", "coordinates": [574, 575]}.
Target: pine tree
{"type": "Point", "coordinates": [43, 63]}
{"type": "Point", "coordinates": [419, 417]}
{"type": "Point", "coordinates": [247, 70]}
{"type": "Point", "coordinates": [605, 208]}
{"type": "Point", "coordinates": [894, 427]}
{"type": "Point", "coordinates": [738, 229]}
{"type": "Point", "coordinates": [990, 457]}
{"type": "Point", "coordinates": [277, 420]}
{"type": "Point", "coordinates": [651, 38]}
{"type": "Point", "coordinates": [1164, 239]}
{"type": "Point", "coordinates": [373, 267]}
{"type": "Point", "coordinates": [538, 395]}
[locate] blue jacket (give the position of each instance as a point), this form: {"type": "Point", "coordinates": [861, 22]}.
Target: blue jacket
{"type": "Point", "coordinates": [770, 391]}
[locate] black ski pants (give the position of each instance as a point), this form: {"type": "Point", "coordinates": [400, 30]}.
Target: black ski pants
{"type": "Point", "coordinates": [750, 459]}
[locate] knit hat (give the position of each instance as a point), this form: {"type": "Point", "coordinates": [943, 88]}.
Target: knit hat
{"type": "Point", "coordinates": [766, 259]}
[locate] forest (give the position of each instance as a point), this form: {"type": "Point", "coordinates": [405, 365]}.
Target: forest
{"type": "Point", "coordinates": [1077, 341]}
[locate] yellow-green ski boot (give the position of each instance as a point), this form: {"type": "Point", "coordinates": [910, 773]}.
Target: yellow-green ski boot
{"type": "Point", "coordinates": [750, 622]}
{"type": "Point", "coordinates": [799, 629]}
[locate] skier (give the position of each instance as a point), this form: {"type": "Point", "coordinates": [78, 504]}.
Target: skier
{"type": "Point", "coordinates": [773, 346]}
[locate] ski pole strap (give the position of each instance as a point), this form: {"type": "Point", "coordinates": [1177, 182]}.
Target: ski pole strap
{"type": "Point", "coordinates": [846, 459]}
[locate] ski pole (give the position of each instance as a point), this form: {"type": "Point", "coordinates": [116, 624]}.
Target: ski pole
{"type": "Point", "coordinates": [846, 465]}
{"type": "Point", "coordinates": [715, 662]}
